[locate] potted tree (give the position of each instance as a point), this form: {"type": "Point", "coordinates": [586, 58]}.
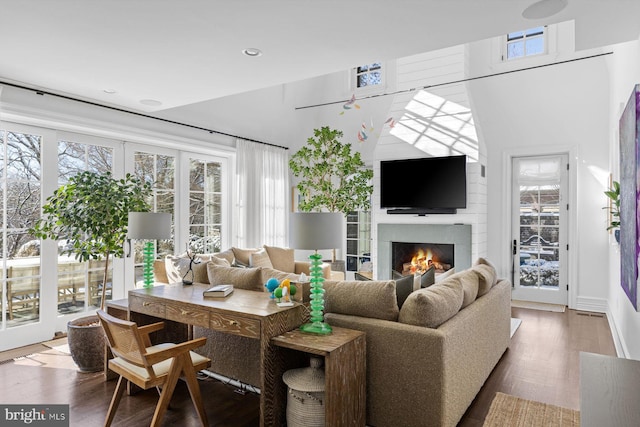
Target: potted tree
{"type": "Point", "coordinates": [332, 177]}
{"type": "Point", "coordinates": [90, 212]}
{"type": "Point", "coordinates": [614, 209]}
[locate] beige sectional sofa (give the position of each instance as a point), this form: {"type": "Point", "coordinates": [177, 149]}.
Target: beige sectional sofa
{"type": "Point", "coordinates": [427, 355]}
{"type": "Point", "coordinates": [427, 360]}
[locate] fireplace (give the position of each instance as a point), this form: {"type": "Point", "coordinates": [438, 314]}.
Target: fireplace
{"type": "Point", "coordinates": [411, 258]}
{"type": "Point", "coordinates": [457, 235]}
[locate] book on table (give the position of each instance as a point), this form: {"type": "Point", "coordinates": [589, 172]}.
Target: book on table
{"type": "Point", "coordinates": [218, 291]}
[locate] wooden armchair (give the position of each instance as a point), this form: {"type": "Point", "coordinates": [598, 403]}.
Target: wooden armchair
{"type": "Point", "coordinates": [146, 366]}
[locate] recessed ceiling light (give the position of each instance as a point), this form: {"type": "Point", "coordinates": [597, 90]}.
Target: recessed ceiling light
{"type": "Point", "coordinates": [109, 91]}
{"type": "Point", "coordinates": [252, 51]}
{"type": "Point", "coordinates": [150, 102]}
{"type": "Point", "coordinates": [544, 9]}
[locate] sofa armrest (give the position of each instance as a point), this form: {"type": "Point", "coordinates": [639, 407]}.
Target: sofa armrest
{"type": "Point", "coordinates": [304, 266]}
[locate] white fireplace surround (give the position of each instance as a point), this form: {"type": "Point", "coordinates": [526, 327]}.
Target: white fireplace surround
{"type": "Point", "coordinates": [456, 234]}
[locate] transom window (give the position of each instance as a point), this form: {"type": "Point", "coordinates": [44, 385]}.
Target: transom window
{"type": "Point", "coordinates": [369, 75]}
{"type": "Point", "coordinates": [521, 44]}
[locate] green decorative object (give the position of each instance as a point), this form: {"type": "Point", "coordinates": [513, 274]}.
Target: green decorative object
{"type": "Point", "coordinates": [614, 206]}
{"type": "Point", "coordinates": [316, 326]}
{"type": "Point", "coordinates": [148, 253]}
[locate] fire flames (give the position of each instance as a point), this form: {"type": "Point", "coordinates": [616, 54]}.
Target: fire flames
{"type": "Point", "coordinates": [422, 261]}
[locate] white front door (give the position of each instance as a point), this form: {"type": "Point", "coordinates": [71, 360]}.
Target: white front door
{"type": "Point", "coordinates": [539, 229]}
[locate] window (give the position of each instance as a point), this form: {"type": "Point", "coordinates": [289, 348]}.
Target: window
{"type": "Point", "coordinates": [20, 258]}
{"type": "Point", "coordinates": [205, 206]}
{"type": "Point", "coordinates": [159, 171]}
{"type": "Point", "coordinates": [80, 283]}
{"type": "Point", "coordinates": [369, 75]}
{"type": "Point", "coordinates": [358, 239]}
{"type": "Point", "coordinates": [525, 43]}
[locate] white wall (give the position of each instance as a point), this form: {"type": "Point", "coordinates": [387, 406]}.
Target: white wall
{"type": "Point", "coordinates": [624, 69]}
{"type": "Point", "coordinates": [556, 108]}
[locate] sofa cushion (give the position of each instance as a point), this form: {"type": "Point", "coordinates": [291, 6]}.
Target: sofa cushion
{"type": "Point", "coordinates": [440, 277]}
{"type": "Point", "coordinates": [404, 286]}
{"type": "Point", "coordinates": [260, 259]}
{"type": "Point", "coordinates": [177, 266]}
{"type": "Point", "coordinates": [469, 280]}
{"type": "Point", "coordinates": [374, 298]}
{"type": "Point", "coordinates": [240, 278]}
{"type": "Point", "coordinates": [433, 306]}
{"type": "Point", "coordinates": [241, 256]}
{"type": "Point", "coordinates": [487, 276]}
{"type": "Point", "coordinates": [268, 273]}
{"type": "Point", "coordinates": [220, 262]}
{"type": "Point", "coordinates": [226, 255]}
{"type": "Point", "coordinates": [281, 258]}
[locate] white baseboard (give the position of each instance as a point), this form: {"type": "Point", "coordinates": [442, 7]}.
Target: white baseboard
{"type": "Point", "coordinates": [598, 305]}
{"type": "Point", "coordinates": [618, 339]}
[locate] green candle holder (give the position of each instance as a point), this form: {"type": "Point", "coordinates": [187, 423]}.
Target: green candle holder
{"type": "Point", "coordinates": [316, 326]}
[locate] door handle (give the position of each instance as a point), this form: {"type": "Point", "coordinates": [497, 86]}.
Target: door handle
{"type": "Point", "coordinates": [515, 247]}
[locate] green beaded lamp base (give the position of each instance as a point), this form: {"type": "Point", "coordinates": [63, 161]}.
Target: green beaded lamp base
{"type": "Point", "coordinates": [147, 264]}
{"type": "Point", "coordinates": [316, 326]}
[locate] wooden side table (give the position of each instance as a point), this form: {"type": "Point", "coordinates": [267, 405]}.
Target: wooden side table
{"type": "Point", "coordinates": [344, 352]}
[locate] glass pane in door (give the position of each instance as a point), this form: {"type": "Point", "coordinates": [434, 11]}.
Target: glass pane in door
{"type": "Point", "coordinates": [539, 236]}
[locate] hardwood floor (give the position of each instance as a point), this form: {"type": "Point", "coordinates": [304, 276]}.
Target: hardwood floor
{"type": "Point", "coordinates": [541, 364]}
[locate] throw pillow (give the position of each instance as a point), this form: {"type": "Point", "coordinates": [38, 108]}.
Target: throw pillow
{"type": "Point", "coordinates": [404, 287]}
{"type": "Point", "coordinates": [260, 259]}
{"type": "Point", "coordinates": [221, 262]}
{"type": "Point", "coordinates": [428, 278]}
{"type": "Point", "coordinates": [240, 278]}
{"type": "Point", "coordinates": [374, 298]}
{"type": "Point", "coordinates": [242, 255]}
{"type": "Point", "coordinates": [486, 278]}
{"type": "Point", "coordinates": [177, 267]}
{"type": "Point", "coordinates": [440, 277]}
{"type": "Point", "coordinates": [281, 258]}
{"type": "Point", "coordinates": [227, 255]}
{"type": "Point", "coordinates": [432, 306]}
{"type": "Point", "coordinates": [268, 273]}
{"type": "Point", "coordinates": [470, 283]}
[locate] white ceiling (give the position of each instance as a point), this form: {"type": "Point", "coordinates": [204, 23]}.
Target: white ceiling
{"type": "Point", "coordinates": [181, 52]}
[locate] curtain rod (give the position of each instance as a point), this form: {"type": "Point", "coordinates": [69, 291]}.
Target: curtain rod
{"type": "Point", "coordinates": [122, 110]}
{"type": "Point", "coordinates": [457, 81]}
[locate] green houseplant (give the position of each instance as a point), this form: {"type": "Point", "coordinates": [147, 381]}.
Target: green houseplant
{"type": "Point", "coordinates": [613, 194]}
{"type": "Point", "coordinates": [332, 177]}
{"type": "Point", "coordinates": [91, 213]}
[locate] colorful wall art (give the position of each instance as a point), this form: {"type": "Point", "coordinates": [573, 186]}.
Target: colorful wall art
{"type": "Point", "coordinates": [629, 196]}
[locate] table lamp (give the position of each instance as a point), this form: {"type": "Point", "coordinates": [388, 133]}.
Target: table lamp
{"type": "Point", "coordinates": [149, 226]}
{"type": "Point", "coordinates": [313, 231]}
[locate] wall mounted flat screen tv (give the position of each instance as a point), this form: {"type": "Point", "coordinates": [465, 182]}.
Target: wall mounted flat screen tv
{"type": "Point", "coordinates": [430, 185]}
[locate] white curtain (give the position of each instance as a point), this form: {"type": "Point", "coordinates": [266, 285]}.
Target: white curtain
{"type": "Point", "coordinates": [263, 186]}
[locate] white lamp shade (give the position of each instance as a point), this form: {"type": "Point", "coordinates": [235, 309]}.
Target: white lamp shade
{"type": "Point", "coordinates": [149, 226]}
{"type": "Point", "coordinates": [315, 230]}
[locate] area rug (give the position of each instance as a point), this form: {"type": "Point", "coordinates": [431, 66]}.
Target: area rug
{"type": "Point", "coordinates": [538, 306]}
{"type": "Point", "coordinates": [59, 344]}
{"type": "Point", "coordinates": [512, 411]}
{"type": "Point", "coordinates": [515, 324]}
{"type": "Point", "coordinates": [10, 355]}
